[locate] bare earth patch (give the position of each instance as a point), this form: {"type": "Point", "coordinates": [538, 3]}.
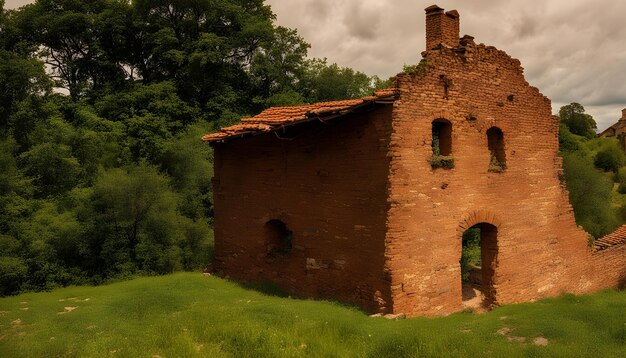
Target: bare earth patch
{"type": "Point", "coordinates": [540, 341]}
{"type": "Point", "coordinates": [506, 331]}
{"type": "Point", "coordinates": [68, 309]}
{"type": "Point", "coordinates": [473, 299]}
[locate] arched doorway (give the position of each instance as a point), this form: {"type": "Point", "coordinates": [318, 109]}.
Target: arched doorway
{"type": "Point", "coordinates": [478, 265]}
{"type": "Point", "coordinates": [278, 239]}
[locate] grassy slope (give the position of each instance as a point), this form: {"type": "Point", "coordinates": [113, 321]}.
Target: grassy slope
{"type": "Point", "coordinates": [188, 314]}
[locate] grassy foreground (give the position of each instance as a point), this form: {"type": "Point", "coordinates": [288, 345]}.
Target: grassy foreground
{"type": "Point", "coordinates": [186, 315]}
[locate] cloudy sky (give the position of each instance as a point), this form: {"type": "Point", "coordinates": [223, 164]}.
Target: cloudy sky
{"type": "Point", "coordinates": [572, 50]}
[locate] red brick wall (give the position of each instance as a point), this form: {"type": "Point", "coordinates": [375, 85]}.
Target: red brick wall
{"type": "Point", "coordinates": [328, 184]}
{"type": "Point", "coordinates": [539, 246]}
{"type": "Point", "coordinates": [606, 268]}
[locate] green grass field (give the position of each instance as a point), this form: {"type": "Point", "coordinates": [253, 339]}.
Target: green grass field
{"type": "Point", "coordinates": [186, 315]}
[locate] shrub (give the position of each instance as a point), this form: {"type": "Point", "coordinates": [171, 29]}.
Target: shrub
{"type": "Point", "coordinates": [442, 161]}
{"type": "Point", "coordinates": [609, 158]}
{"type": "Point", "coordinates": [496, 166]}
{"type": "Point", "coordinates": [568, 142]}
{"type": "Point", "coordinates": [620, 178]}
{"type": "Point", "coordinates": [13, 272]}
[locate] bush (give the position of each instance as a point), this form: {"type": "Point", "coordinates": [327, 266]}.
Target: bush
{"type": "Point", "coordinates": [496, 166]}
{"type": "Point", "coordinates": [13, 273]}
{"type": "Point", "coordinates": [442, 161]}
{"type": "Point", "coordinates": [609, 158]}
{"type": "Point", "coordinates": [568, 142]}
{"type": "Point", "coordinates": [620, 178]}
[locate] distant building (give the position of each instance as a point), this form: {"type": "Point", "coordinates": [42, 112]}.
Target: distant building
{"type": "Point", "coordinates": [618, 130]}
{"type": "Point", "coordinates": [365, 201]}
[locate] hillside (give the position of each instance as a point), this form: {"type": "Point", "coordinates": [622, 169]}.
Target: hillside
{"type": "Point", "coordinates": [188, 314]}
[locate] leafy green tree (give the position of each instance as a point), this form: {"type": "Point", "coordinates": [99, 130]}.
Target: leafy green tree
{"type": "Point", "coordinates": [20, 77]}
{"type": "Point", "coordinates": [206, 47]}
{"type": "Point", "coordinates": [81, 41]}
{"type": "Point", "coordinates": [53, 168]}
{"type": "Point", "coordinates": [158, 99]}
{"type": "Point", "coordinates": [577, 121]}
{"type": "Point", "coordinates": [323, 82]}
{"type": "Point", "coordinates": [279, 68]}
{"type": "Point", "coordinates": [188, 162]}
{"type": "Point", "coordinates": [21, 73]}
{"type": "Point", "coordinates": [132, 224]}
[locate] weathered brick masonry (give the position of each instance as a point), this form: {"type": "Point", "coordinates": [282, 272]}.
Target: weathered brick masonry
{"type": "Point", "coordinates": [340, 200]}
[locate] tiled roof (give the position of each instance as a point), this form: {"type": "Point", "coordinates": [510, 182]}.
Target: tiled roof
{"type": "Point", "coordinates": [277, 117]}
{"type": "Point", "coordinates": [606, 131]}
{"type": "Point", "coordinates": [617, 237]}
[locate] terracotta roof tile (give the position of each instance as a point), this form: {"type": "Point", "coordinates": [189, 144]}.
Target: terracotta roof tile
{"type": "Point", "coordinates": [617, 237]}
{"type": "Point", "coordinates": [276, 117]}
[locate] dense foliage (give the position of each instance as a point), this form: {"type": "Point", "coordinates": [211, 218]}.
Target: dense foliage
{"type": "Point", "coordinates": [102, 104]}
{"type": "Point", "coordinates": [589, 164]}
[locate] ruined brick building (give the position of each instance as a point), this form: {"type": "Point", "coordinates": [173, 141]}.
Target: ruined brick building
{"type": "Point", "coordinates": [366, 200]}
{"type": "Point", "coordinates": [617, 130]}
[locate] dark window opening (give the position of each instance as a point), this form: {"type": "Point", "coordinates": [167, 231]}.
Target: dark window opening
{"type": "Point", "coordinates": [278, 238]}
{"type": "Point", "coordinates": [495, 142]}
{"type": "Point", "coordinates": [478, 265]}
{"type": "Point", "coordinates": [442, 144]}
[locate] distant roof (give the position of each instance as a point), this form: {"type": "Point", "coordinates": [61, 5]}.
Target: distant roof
{"type": "Point", "coordinates": [611, 128]}
{"type": "Point", "coordinates": [617, 237]}
{"type": "Point", "coordinates": [276, 118]}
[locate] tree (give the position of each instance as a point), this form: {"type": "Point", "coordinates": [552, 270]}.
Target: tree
{"type": "Point", "coordinates": [279, 67]}
{"type": "Point", "coordinates": [21, 74]}
{"type": "Point", "coordinates": [83, 41]}
{"type": "Point", "coordinates": [205, 47]}
{"type": "Point", "coordinates": [323, 82]}
{"type": "Point", "coordinates": [54, 169]}
{"type": "Point", "coordinates": [132, 224]}
{"type": "Point", "coordinates": [577, 121]}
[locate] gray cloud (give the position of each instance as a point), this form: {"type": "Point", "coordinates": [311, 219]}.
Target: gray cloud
{"type": "Point", "coordinates": [362, 22]}
{"type": "Point", "coordinates": [12, 4]}
{"type": "Point", "coordinates": [572, 50]}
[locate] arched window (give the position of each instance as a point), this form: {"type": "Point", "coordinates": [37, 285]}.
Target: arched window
{"type": "Point", "coordinates": [442, 144]}
{"type": "Point", "coordinates": [277, 238]}
{"type": "Point", "coordinates": [495, 142]}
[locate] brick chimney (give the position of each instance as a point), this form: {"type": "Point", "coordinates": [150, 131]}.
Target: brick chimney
{"type": "Point", "coordinates": [624, 114]}
{"type": "Point", "coordinates": [441, 27]}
